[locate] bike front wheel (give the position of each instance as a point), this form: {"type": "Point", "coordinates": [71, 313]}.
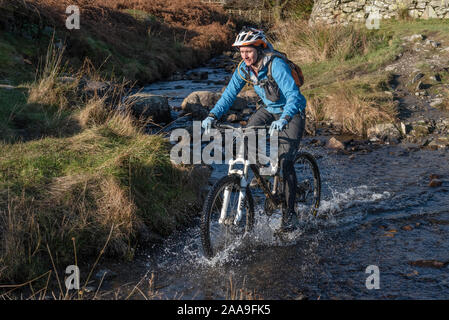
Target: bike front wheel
{"type": "Point", "coordinates": [308, 188]}
{"type": "Point", "coordinates": [215, 236]}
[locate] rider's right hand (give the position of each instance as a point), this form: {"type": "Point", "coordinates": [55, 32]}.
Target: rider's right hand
{"type": "Point", "coordinates": [207, 124]}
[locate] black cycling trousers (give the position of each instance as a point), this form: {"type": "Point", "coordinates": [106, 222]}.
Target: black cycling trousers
{"type": "Point", "coordinates": [288, 143]}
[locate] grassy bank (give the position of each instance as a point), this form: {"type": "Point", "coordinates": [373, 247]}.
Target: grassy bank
{"type": "Point", "coordinates": [131, 39]}
{"type": "Point", "coordinates": [344, 67]}
{"type": "Point", "coordinates": [89, 175]}
{"type": "Point", "coordinates": [75, 173]}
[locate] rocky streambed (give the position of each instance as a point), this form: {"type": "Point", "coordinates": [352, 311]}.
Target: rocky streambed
{"type": "Point", "coordinates": [385, 203]}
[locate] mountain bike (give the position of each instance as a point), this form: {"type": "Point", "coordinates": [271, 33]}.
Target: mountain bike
{"type": "Point", "coordinates": [228, 211]}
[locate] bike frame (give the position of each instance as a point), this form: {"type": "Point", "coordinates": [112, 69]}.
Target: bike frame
{"type": "Point", "coordinates": [243, 173]}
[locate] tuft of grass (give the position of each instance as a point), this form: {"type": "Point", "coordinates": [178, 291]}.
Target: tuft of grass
{"type": "Point", "coordinates": [106, 175]}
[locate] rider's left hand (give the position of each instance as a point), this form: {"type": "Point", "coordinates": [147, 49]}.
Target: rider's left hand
{"type": "Point", "coordinates": [277, 125]}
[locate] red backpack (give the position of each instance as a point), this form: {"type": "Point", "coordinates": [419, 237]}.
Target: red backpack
{"type": "Point", "coordinates": [294, 68]}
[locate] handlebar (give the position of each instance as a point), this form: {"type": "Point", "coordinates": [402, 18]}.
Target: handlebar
{"type": "Point", "coordinates": [227, 126]}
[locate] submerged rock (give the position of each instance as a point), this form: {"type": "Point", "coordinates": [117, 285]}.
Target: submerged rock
{"type": "Point", "coordinates": [434, 183]}
{"type": "Point", "coordinates": [428, 263]}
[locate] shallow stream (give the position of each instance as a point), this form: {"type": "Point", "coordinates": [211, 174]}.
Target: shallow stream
{"type": "Point", "coordinates": [377, 209]}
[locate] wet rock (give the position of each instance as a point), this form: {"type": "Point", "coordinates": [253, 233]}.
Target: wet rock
{"type": "Point", "coordinates": [198, 103]}
{"type": "Point", "coordinates": [232, 118]}
{"type": "Point", "coordinates": [434, 183]}
{"type": "Point", "coordinates": [333, 143]}
{"type": "Point", "coordinates": [105, 274]}
{"type": "Point", "coordinates": [197, 75]}
{"type": "Point", "coordinates": [440, 142]}
{"type": "Point", "coordinates": [148, 105]}
{"type": "Point", "coordinates": [420, 128]}
{"type": "Point", "coordinates": [412, 274]}
{"type": "Point", "coordinates": [177, 76]}
{"type": "Point", "coordinates": [250, 96]}
{"type": "Point", "coordinates": [383, 131]}
{"type": "Point", "coordinates": [434, 176]}
{"type": "Point", "coordinates": [239, 104]}
{"type": "Point", "coordinates": [428, 263]}
{"type": "Point", "coordinates": [407, 228]}
{"type": "Point", "coordinates": [247, 111]}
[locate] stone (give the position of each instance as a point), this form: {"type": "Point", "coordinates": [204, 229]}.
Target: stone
{"type": "Point", "coordinates": [434, 183]}
{"type": "Point", "coordinates": [428, 263]}
{"type": "Point", "coordinates": [149, 105]}
{"type": "Point", "coordinates": [440, 142]}
{"type": "Point", "coordinates": [414, 38]}
{"type": "Point", "coordinates": [333, 143]}
{"type": "Point", "coordinates": [429, 13]}
{"type": "Point", "coordinates": [405, 128]}
{"type": "Point", "coordinates": [383, 131]}
{"type": "Point", "coordinates": [407, 228]}
{"type": "Point", "coordinates": [198, 103]}
{"type": "Point", "coordinates": [420, 129]}
{"type": "Point", "coordinates": [436, 102]}
{"type": "Point", "coordinates": [250, 96]}
{"type": "Point", "coordinates": [232, 118]}
{"type": "Point", "coordinates": [416, 77]}
{"type": "Point", "coordinates": [105, 274]}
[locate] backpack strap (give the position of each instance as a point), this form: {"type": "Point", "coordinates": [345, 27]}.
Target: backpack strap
{"type": "Point", "coordinates": [273, 54]}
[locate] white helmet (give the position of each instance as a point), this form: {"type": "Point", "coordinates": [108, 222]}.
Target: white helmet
{"type": "Point", "coordinates": [250, 37]}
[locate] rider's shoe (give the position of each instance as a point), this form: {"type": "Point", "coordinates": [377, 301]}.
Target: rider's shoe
{"type": "Point", "coordinates": [289, 221]}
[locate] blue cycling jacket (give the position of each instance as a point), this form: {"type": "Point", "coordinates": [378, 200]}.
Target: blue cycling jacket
{"type": "Point", "coordinates": [291, 100]}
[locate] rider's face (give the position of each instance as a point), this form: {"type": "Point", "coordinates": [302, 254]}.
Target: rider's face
{"type": "Point", "coordinates": [249, 55]}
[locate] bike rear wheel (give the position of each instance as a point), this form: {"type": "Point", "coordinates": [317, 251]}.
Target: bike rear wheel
{"type": "Point", "coordinates": [308, 188]}
{"type": "Point", "coordinates": [215, 236]}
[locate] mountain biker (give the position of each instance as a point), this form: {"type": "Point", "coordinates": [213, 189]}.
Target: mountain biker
{"type": "Point", "coordinates": [285, 110]}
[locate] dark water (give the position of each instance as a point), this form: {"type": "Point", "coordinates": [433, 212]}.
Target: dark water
{"type": "Point", "coordinates": [377, 209]}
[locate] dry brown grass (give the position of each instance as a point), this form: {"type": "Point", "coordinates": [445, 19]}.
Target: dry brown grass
{"type": "Point", "coordinates": [143, 40]}
{"type": "Point", "coordinates": [355, 113]}
{"type": "Point", "coordinates": [305, 44]}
